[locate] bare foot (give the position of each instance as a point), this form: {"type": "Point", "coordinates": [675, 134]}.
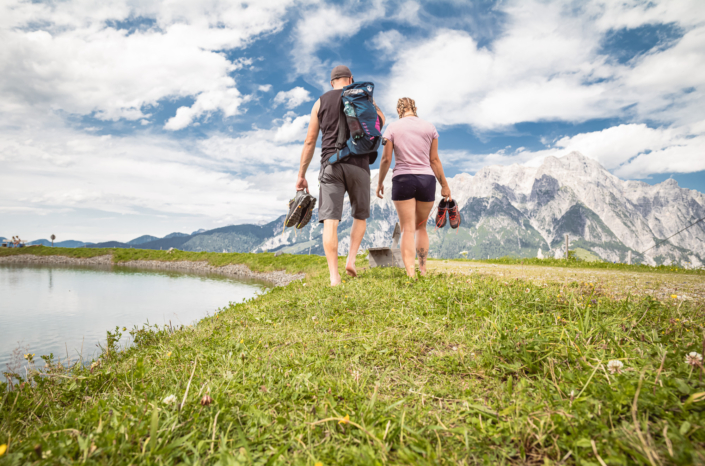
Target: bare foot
{"type": "Point", "coordinates": [350, 269]}
{"type": "Point", "coordinates": [335, 281]}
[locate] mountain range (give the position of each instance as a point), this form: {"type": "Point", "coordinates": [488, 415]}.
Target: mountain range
{"type": "Point", "coordinates": [511, 210]}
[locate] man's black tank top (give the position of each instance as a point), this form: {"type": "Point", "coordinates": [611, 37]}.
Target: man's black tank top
{"type": "Point", "coordinates": [328, 115]}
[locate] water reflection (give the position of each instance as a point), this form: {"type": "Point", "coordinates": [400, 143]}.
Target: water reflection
{"type": "Point", "coordinates": [67, 310]}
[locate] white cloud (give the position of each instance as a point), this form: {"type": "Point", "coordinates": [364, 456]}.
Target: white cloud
{"type": "Point", "coordinates": [548, 64]}
{"type": "Point", "coordinates": [264, 88]}
{"type": "Point", "coordinates": [628, 150]}
{"type": "Point", "coordinates": [213, 182]}
{"type": "Point", "coordinates": [67, 56]}
{"type": "Point", "coordinates": [325, 26]}
{"type": "Point", "coordinates": [292, 98]}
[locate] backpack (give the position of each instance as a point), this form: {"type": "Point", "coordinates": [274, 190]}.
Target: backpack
{"type": "Point", "coordinates": [359, 130]}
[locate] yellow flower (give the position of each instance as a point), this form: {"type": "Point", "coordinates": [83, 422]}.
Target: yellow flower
{"type": "Point", "coordinates": [318, 464]}
{"type": "Point", "coordinates": [3, 449]}
{"type": "Point", "coordinates": [242, 341]}
{"type": "Point", "coordinates": [124, 328]}
{"type": "Point", "coordinates": [168, 354]}
{"type": "Point", "coordinates": [674, 296]}
{"type": "Point", "coordinates": [345, 420]}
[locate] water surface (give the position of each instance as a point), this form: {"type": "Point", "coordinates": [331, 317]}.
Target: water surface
{"type": "Point", "coordinates": [67, 310]}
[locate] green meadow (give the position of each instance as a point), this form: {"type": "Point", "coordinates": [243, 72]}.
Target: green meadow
{"type": "Point", "coordinates": [447, 369]}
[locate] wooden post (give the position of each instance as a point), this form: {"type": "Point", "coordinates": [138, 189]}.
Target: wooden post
{"type": "Point", "coordinates": [629, 258]}
{"type": "Point", "coordinates": [567, 242]}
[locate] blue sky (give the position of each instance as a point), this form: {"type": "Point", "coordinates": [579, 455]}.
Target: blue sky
{"type": "Point", "coordinates": [120, 119]}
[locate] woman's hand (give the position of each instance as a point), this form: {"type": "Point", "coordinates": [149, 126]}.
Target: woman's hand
{"type": "Point", "coordinates": [380, 191]}
{"type": "Point", "coordinates": [445, 192]}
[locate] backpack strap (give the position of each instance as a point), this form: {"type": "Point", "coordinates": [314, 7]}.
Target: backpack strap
{"type": "Point", "coordinates": [342, 128]}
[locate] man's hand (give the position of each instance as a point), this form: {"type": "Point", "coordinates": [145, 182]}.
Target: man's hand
{"type": "Point", "coordinates": [301, 184]}
{"type": "Point", "coordinates": [380, 191]}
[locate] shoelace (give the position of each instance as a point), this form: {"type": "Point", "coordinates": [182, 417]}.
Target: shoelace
{"type": "Point", "coordinates": [453, 216]}
{"type": "Point", "coordinates": [438, 220]}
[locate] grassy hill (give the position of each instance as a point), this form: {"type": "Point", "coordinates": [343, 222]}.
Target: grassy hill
{"type": "Point", "coordinates": [449, 369]}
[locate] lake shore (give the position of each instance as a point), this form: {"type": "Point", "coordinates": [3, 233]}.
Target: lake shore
{"type": "Point", "coordinates": [277, 278]}
{"type": "Point", "coordinates": [447, 369]}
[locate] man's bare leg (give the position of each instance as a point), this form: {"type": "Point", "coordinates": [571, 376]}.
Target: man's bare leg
{"type": "Point", "coordinates": [330, 246]}
{"type": "Point", "coordinates": [356, 234]}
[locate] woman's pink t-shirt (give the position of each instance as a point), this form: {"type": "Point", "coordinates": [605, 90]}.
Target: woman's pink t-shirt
{"type": "Point", "coordinates": [412, 138]}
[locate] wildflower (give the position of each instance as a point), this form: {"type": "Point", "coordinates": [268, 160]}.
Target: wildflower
{"type": "Point", "coordinates": [674, 296]}
{"type": "Point", "coordinates": [168, 354]}
{"type": "Point", "coordinates": [318, 463]}
{"type": "Point", "coordinates": [615, 366]}
{"type": "Point", "coordinates": [206, 400]}
{"type": "Point", "coordinates": [94, 365]}
{"type": "Point", "coordinates": [344, 420]}
{"type": "Point", "coordinates": [304, 284]}
{"type": "Point", "coordinates": [242, 341]}
{"type": "Point", "coordinates": [3, 449]}
{"type": "Point", "coordinates": [169, 400]}
{"type": "Point", "coordinates": [356, 375]}
{"type": "Point", "coordinates": [124, 328]}
{"type": "Point", "coordinates": [694, 359]}
{"type": "Point", "coordinates": [528, 291]}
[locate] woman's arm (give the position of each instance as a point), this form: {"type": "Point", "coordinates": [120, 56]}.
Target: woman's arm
{"type": "Point", "coordinates": [384, 167]}
{"type": "Point", "coordinates": [437, 168]}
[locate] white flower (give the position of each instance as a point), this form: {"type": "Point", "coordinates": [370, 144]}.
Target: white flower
{"type": "Point", "coordinates": [694, 359]}
{"type": "Point", "coordinates": [615, 366]}
{"type": "Point", "coordinates": [169, 400]}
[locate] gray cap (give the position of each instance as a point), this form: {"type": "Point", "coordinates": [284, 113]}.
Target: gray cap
{"type": "Point", "coordinates": [340, 71]}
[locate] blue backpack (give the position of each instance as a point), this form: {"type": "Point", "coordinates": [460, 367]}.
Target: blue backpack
{"type": "Point", "coordinates": [359, 127]}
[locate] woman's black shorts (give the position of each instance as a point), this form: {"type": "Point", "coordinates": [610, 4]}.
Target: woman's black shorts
{"type": "Point", "coordinates": [419, 187]}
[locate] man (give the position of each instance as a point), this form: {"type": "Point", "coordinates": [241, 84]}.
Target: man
{"type": "Point", "coordinates": [351, 175]}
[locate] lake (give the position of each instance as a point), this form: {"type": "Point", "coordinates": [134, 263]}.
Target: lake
{"type": "Point", "coordinates": [67, 310]}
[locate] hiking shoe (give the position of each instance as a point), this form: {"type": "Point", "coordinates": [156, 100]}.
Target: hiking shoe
{"type": "Point", "coordinates": [441, 215]}
{"type": "Point", "coordinates": [453, 214]}
{"type": "Point", "coordinates": [306, 217]}
{"type": "Point", "coordinates": [297, 207]}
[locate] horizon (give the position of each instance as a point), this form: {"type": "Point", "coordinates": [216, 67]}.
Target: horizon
{"type": "Point", "coordinates": [373, 174]}
{"type": "Point", "coordinates": [167, 117]}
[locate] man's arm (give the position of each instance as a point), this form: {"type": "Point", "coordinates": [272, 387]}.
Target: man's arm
{"type": "Point", "coordinates": [379, 113]}
{"type": "Point", "coordinates": [309, 147]}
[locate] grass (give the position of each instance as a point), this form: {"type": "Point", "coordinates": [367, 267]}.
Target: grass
{"type": "Point", "coordinates": [587, 264]}
{"type": "Point", "coordinates": [263, 262]}
{"type": "Point", "coordinates": [79, 253]}
{"type": "Point", "coordinates": [448, 369]}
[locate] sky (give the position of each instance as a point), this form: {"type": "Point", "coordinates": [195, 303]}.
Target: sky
{"type": "Point", "coordinates": [121, 118]}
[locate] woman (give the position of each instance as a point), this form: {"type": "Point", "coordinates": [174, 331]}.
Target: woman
{"type": "Point", "coordinates": [414, 143]}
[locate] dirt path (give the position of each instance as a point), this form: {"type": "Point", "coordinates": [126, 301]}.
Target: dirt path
{"type": "Point", "coordinates": [618, 284]}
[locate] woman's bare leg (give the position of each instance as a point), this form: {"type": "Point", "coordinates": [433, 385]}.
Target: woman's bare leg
{"type": "Point", "coordinates": [422, 211]}
{"type": "Point", "coordinates": [407, 216]}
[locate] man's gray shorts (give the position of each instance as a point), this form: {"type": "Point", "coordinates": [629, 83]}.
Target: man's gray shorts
{"type": "Point", "coordinates": [336, 180]}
